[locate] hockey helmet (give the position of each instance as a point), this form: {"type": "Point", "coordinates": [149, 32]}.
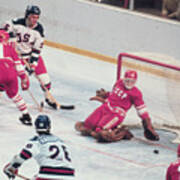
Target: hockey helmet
{"type": "Point", "coordinates": [131, 74]}
{"type": "Point", "coordinates": [42, 123]}
{"type": "Point", "coordinates": [130, 78]}
{"type": "Point", "coordinates": [4, 36]}
{"type": "Point", "coordinates": [32, 10]}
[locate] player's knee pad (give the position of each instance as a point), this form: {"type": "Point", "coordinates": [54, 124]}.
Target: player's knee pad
{"type": "Point", "coordinates": [79, 126]}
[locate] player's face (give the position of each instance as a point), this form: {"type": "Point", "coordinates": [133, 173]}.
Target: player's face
{"type": "Point", "coordinates": [33, 19]}
{"type": "Point", "coordinates": [129, 83]}
{"type": "Point", "coordinates": [3, 39]}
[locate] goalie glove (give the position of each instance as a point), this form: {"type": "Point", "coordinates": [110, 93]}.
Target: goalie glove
{"type": "Point", "coordinates": [149, 131]}
{"type": "Point", "coordinates": [10, 171]}
{"type": "Point", "coordinates": [101, 96]}
{"type": "Point", "coordinates": [102, 93]}
{"type": "Point", "coordinates": [97, 98]}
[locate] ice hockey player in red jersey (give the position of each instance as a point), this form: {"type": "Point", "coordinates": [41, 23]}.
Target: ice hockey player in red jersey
{"type": "Point", "coordinates": [10, 69]}
{"type": "Point", "coordinates": [29, 36]}
{"type": "Point", "coordinates": [105, 123]}
{"type": "Point", "coordinates": [173, 171]}
{"type": "Point", "coordinates": [49, 151]}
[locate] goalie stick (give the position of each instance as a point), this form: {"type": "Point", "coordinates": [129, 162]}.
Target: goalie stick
{"type": "Point", "coordinates": [152, 143]}
{"type": "Point", "coordinates": [59, 106]}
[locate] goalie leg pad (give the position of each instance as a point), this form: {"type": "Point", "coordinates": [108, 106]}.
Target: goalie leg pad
{"type": "Point", "coordinates": [114, 135]}
{"type": "Point", "coordinates": [79, 126]}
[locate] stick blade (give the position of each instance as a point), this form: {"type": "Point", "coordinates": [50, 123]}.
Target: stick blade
{"type": "Point", "coordinates": [68, 107]}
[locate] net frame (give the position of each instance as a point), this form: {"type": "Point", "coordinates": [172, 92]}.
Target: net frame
{"type": "Point", "coordinates": [135, 58]}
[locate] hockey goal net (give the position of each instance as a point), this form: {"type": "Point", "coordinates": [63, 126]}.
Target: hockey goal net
{"type": "Point", "coordinates": [159, 81]}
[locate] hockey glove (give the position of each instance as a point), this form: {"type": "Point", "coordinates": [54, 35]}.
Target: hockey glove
{"type": "Point", "coordinates": [30, 69]}
{"type": "Point", "coordinates": [102, 93]}
{"type": "Point", "coordinates": [10, 171]}
{"type": "Point", "coordinates": [149, 131]}
{"type": "Point", "coordinates": [101, 96]}
{"type": "Point", "coordinates": [24, 82]}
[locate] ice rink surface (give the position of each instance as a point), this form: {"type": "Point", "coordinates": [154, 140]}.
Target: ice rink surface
{"type": "Point", "coordinates": [75, 79]}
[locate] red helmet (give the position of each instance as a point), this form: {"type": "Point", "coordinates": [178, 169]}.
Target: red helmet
{"type": "Point", "coordinates": [4, 36]}
{"type": "Point", "coordinates": [178, 151]}
{"type": "Point", "coordinates": [130, 74]}
{"type": "Point", "coordinates": [130, 78]}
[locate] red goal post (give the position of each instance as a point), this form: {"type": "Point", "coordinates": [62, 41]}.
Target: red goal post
{"type": "Point", "coordinates": [142, 59]}
{"type": "Point", "coordinates": [160, 78]}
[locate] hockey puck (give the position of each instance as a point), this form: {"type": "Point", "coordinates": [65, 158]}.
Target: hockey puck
{"type": "Point", "coordinates": [42, 104]}
{"type": "Point", "coordinates": [156, 151]}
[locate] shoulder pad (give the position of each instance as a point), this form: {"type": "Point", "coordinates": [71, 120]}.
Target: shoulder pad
{"type": "Point", "coordinates": [35, 138]}
{"type": "Point", "coordinates": [40, 29]}
{"type": "Point", "coordinates": [19, 21]}
{"type": "Point", "coordinates": [58, 138]}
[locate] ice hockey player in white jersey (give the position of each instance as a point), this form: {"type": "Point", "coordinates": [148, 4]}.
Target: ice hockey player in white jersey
{"type": "Point", "coordinates": [50, 152]}
{"type": "Point", "coordinates": [29, 36]}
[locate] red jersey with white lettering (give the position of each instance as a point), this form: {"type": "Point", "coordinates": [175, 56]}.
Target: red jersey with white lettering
{"type": "Point", "coordinates": [112, 113]}
{"type": "Point", "coordinates": [121, 98]}
{"type": "Point", "coordinates": [8, 77]}
{"type": "Point", "coordinates": [10, 69]}
{"type": "Point", "coordinates": [173, 171]}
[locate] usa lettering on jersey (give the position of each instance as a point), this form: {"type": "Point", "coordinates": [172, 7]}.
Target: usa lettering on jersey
{"type": "Point", "coordinates": [29, 41]}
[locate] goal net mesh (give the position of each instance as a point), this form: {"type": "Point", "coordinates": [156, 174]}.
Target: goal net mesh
{"type": "Point", "coordinates": [159, 81]}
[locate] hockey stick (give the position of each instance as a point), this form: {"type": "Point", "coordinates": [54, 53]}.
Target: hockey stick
{"type": "Point", "coordinates": [153, 143]}
{"type": "Point", "coordinates": [22, 177]}
{"type": "Point", "coordinates": [59, 106]}
{"type": "Point", "coordinates": [67, 107]}
{"type": "Point", "coordinates": [40, 108]}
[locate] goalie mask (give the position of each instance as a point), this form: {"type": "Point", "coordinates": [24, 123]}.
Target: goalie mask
{"type": "Point", "coordinates": [130, 78]}
{"type": "Point", "coordinates": [42, 123]}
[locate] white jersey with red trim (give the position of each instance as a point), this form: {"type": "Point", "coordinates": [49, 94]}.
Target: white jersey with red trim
{"type": "Point", "coordinates": [51, 154]}
{"type": "Point", "coordinates": [29, 40]}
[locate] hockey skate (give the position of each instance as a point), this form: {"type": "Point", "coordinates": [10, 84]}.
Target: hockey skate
{"type": "Point", "coordinates": [26, 119]}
